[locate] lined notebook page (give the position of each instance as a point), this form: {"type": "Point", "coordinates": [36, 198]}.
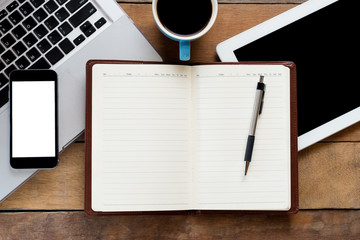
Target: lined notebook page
{"type": "Point", "coordinates": [140, 135]}
{"type": "Point", "coordinates": [223, 105]}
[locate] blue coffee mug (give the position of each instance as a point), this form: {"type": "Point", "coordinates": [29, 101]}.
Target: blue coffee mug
{"type": "Point", "coordinates": [184, 40]}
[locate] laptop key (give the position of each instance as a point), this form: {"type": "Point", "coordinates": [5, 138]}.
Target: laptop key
{"type": "Point", "coordinates": [8, 57]}
{"type": "Point", "coordinates": [4, 96]}
{"type": "Point", "coordinates": [65, 28]}
{"type": "Point", "coordinates": [37, 3]}
{"type": "Point", "coordinates": [33, 54]}
{"type": "Point", "coordinates": [87, 28]}
{"type": "Point", "coordinates": [54, 37]}
{"type": "Point", "coordinates": [40, 14]}
{"type": "Point", "coordinates": [62, 14]}
{"type": "Point", "coordinates": [30, 39]}
{"type": "Point", "coordinates": [99, 23]}
{"type": "Point", "coordinates": [74, 5]}
{"type": "Point", "coordinates": [51, 23]}
{"type": "Point", "coordinates": [19, 48]}
{"type": "Point", "coordinates": [44, 45]}
{"type": "Point", "coordinates": [40, 31]}
{"type": "Point", "coordinates": [66, 46]}
{"type": "Point", "coordinates": [40, 64]}
{"type": "Point", "coordinates": [50, 6]}
{"type": "Point", "coordinates": [2, 66]}
{"type": "Point", "coordinates": [18, 32]}
{"type": "Point", "coordinates": [54, 55]}
{"type": "Point", "coordinates": [5, 26]}
{"type": "Point", "coordinates": [79, 39]}
{"type": "Point", "coordinates": [29, 23]}
{"type": "Point", "coordinates": [61, 2]}
{"type": "Point", "coordinates": [26, 9]}
{"type": "Point", "coordinates": [3, 13]}
{"type": "Point", "coordinates": [3, 80]}
{"type": "Point", "coordinates": [22, 62]}
{"type": "Point", "coordinates": [11, 7]}
{"type": "Point", "coordinates": [8, 40]}
{"type": "Point", "coordinates": [82, 15]}
{"type": "Point", "coordinates": [16, 17]}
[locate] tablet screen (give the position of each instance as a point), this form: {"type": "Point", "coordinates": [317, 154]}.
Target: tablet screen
{"type": "Point", "coordinates": [324, 46]}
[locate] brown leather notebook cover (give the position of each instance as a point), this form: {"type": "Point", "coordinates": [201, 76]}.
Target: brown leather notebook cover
{"type": "Point", "coordinates": [294, 150]}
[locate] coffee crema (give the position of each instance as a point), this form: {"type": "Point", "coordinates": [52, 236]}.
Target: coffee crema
{"type": "Point", "coordinates": [184, 17]}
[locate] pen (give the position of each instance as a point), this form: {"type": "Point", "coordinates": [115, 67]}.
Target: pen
{"type": "Point", "coordinates": [258, 105]}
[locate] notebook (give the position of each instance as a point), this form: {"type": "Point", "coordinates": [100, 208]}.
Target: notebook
{"type": "Point", "coordinates": [318, 37]}
{"type": "Point", "coordinates": [166, 138]}
{"type": "Point", "coordinates": [61, 35]}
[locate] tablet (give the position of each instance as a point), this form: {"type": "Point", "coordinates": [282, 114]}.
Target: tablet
{"type": "Point", "coordinates": [320, 37]}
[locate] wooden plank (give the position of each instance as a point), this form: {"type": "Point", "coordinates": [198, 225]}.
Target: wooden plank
{"type": "Point", "coordinates": [59, 188]}
{"type": "Point", "coordinates": [329, 176]}
{"type": "Point", "coordinates": [76, 225]}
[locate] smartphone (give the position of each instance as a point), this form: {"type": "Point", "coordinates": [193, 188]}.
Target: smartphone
{"type": "Point", "coordinates": [33, 119]}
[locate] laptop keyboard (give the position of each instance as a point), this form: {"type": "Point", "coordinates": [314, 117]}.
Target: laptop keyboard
{"type": "Point", "coordinates": [36, 34]}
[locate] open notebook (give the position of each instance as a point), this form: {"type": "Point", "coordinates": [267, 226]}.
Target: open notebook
{"type": "Point", "coordinates": [165, 138]}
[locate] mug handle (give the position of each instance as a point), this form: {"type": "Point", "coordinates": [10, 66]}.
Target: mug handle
{"type": "Point", "coordinates": [184, 50]}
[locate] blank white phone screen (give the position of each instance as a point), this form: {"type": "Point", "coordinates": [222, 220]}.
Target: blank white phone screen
{"type": "Point", "coordinates": [33, 119]}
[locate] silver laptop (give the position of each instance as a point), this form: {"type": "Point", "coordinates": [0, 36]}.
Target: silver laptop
{"type": "Point", "coordinates": [62, 35]}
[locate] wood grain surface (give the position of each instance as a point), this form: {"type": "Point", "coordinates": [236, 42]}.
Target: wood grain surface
{"type": "Point", "coordinates": [50, 205]}
{"type": "Point", "coordinates": [329, 225]}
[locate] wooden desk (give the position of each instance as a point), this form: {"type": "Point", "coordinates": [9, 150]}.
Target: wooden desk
{"type": "Point", "coordinates": [50, 205]}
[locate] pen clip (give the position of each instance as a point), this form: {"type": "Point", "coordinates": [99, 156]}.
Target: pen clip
{"type": "Point", "coordinates": [261, 86]}
{"type": "Point", "coordinates": [262, 102]}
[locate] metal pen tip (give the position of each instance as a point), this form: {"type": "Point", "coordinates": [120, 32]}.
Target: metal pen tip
{"type": "Point", "coordinates": [246, 167]}
{"type": "Point", "coordinates": [261, 79]}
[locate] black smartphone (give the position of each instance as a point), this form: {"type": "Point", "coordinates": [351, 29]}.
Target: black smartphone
{"type": "Point", "coordinates": [33, 119]}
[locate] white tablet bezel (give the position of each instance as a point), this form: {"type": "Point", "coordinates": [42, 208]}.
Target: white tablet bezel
{"type": "Point", "coordinates": [225, 51]}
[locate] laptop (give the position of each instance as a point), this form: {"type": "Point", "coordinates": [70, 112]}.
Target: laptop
{"type": "Point", "coordinates": [61, 35]}
{"type": "Point", "coordinates": [320, 36]}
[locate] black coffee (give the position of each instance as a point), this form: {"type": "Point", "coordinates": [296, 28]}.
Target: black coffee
{"type": "Point", "coordinates": [184, 17]}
